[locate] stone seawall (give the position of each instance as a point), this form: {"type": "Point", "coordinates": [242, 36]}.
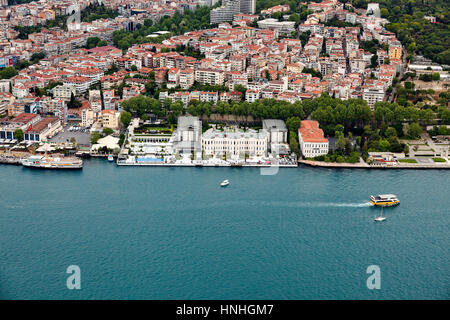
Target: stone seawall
{"type": "Point", "coordinates": [335, 165]}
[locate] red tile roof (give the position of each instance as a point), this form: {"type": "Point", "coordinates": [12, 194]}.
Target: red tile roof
{"type": "Point", "coordinates": [310, 131]}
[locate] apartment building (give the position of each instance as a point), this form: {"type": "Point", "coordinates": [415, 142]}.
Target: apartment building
{"type": "Point", "coordinates": [186, 78]}
{"type": "Point", "coordinates": [110, 119]}
{"type": "Point", "coordinates": [64, 92]}
{"type": "Point", "coordinates": [373, 95]}
{"type": "Point", "coordinates": [395, 50]}
{"type": "Point", "coordinates": [209, 76]}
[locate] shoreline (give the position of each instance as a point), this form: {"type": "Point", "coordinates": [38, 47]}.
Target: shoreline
{"type": "Point", "coordinates": [205, 165]}
{"type": "Point", "coordinates": [309, 163]}
{"type": "Point", "coordinates": [334, 165]}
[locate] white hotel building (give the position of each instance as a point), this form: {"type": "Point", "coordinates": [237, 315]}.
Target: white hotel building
{"type": "Point", "coordinates": [235, 143]}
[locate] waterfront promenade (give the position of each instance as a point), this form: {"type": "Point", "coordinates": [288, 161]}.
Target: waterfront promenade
{"type": "Point", "coordinates": [363, 165]}
{"type": "Point", "coordinates": [16, 160]}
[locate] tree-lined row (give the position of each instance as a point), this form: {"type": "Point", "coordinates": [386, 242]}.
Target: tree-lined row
{"type": "Point", "coordinates": [177, 24]}
{"type": "Point", "coordinates": [352, 114]}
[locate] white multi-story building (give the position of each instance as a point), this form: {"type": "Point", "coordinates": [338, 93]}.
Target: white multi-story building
{"type": "Point", "coordinates": [311, 139]}
{"type": "Point", "coordinates": [88, 117]}
{"type": "Point", "coordinates": [274, 24]}
{"type": "Point", "coordinates": [209, 76]}
{"type": "Point", "coordinates": [373, 95]}
{"type": "Point", "coordinates": [252, 95]}
{"type": "Point", "coordinates": [186, 79]}
{"type": "Point", "coordinates": [234, 143]}
{"type": "Point", "coordinates": [5, 85]}
{"type": "Point", "coordinates": [248, 6]}
{"type": "Point", "coordinates": [64, 92]}
{"type": "Point", "coordinates": [225, 12]}
{"type": "Point", "coordinates": [81, 84]}
{"type": "Point", "coordinates": [229, 8]}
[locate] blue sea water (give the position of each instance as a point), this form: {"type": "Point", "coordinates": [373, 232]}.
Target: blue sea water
{"type": "Point", "coordinates": [174, 233]}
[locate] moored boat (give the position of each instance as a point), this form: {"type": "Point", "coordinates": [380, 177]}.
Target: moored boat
{"type": "Point", "coordinates": [110, 158]}
{"type": "Point", "coordinates": [41, 162]}
{"type": "Point", "coordinates": [384, 200]}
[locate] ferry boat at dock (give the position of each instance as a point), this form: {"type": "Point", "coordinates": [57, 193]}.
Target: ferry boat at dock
{"type": "Point", "coordinates": [385, 200]}
{"type": "Point", "coordinates": [44, 162]}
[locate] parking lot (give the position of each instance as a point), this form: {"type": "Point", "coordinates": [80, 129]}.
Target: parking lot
{"type": "Point", "coordinates": [81, 137]}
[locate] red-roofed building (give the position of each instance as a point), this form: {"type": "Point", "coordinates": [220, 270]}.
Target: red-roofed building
{"type": "Point", "coordinates": [24, 121]}
{"type": "Point", "coordinates": [44, 129]}
{"type": "Point", "coordinates": [311, 139]}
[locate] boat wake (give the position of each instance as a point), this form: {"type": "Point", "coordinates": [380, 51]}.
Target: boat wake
{"type": "Point", "coordinates": [299, 204]}
{"type": "Point", "coordinates": [351, 205]}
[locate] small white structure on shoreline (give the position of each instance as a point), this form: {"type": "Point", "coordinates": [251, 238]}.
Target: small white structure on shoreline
{"type": "Point", "coordinates": [109, 142]}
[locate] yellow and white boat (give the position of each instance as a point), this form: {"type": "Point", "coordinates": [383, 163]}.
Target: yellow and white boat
{"type": "Point", "coordinates": [384, 200]}
{"type": "Point", "coordinates": [42, 162]}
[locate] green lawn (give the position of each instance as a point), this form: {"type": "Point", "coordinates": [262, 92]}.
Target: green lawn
{"type": "Point", "coordinates": [439, 160]}
{"type": "Point", "coordinates": [408, 160]}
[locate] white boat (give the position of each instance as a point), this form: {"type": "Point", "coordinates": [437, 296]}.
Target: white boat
{"type": "Point", "coordinates": [45, 162]}
{"type": "Point", "coordinates": [225, 183]}
{"type": "Point", "coordinates": [380, 218]}
{"type": "Point", "coordinates": [384, 200]}
{"type": "Point", "coordinates": [110, 158]}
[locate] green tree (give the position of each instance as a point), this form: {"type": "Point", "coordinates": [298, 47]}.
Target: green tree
{"type": "Point", "coordinates": [436, 76]}
{"type": "Point", "coordinates": [18, 133]}
{"type": "Point", "coordinates": [73, 103]}
{"type": "Point", "coordinates": [443, 130]}
{"type": "Point", "coordinates": [340, 143]}
{"type": "Point", "coordinates": [8, 73]}
{"type": "Point", "coordinates": [413, 130]}
{"type": "Point", "coordinates": [293, 124]}
{"type": "Point", "coordinates": [383, 145]}
{"type": "Point", "coordinates": [293, 142]}
{"type": "Point", "coordinates": [95, 136]}
{"type": "Point", "coordinates": [107, 131]}
{"type": "Point", "coordinates": [121, 139]}
{"type": "Point", "coordinates": [390, 132]}
{"type": "Point", "coordinates": [92, 42]}
{"type": "Point", "coordinates": [125, 118]}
